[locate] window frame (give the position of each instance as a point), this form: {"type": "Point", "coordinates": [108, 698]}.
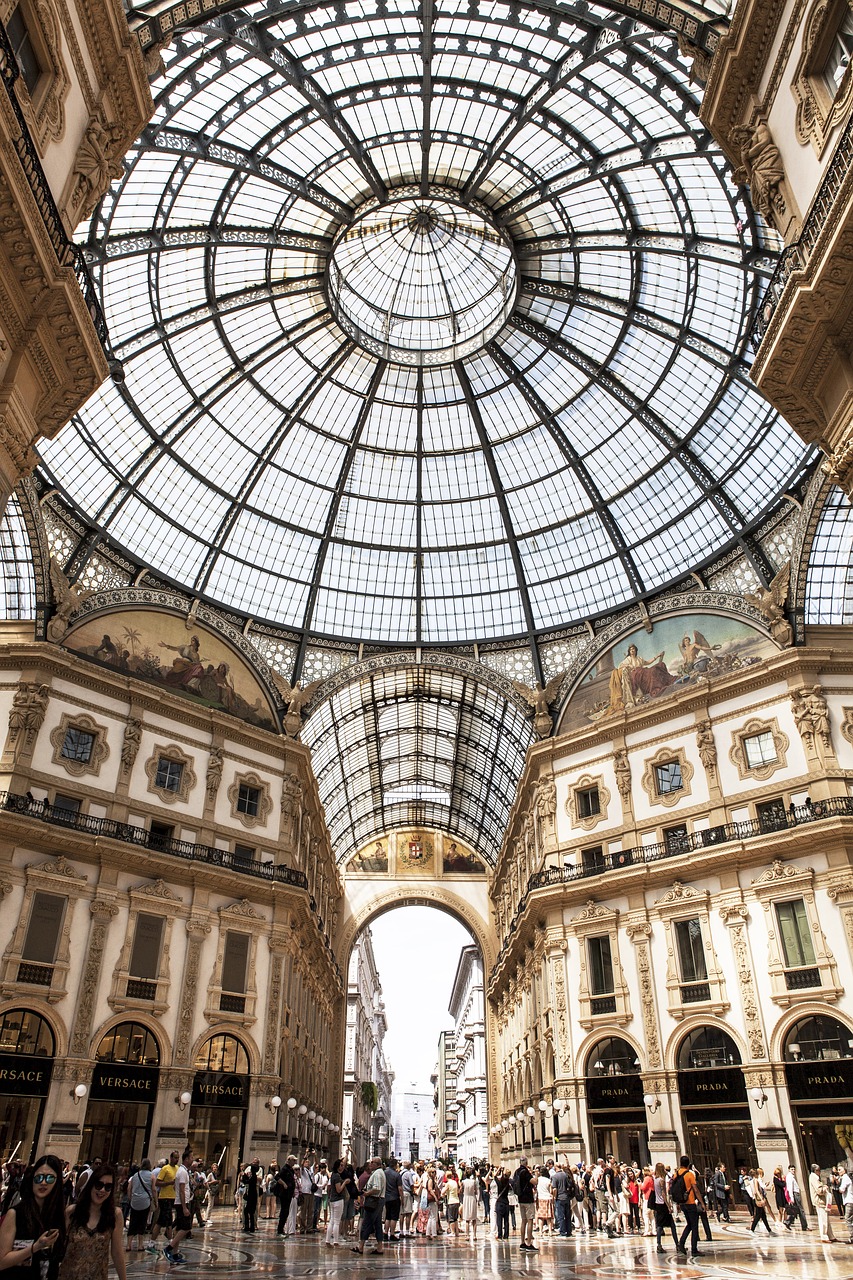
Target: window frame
{"type": "Point", "coordinates": [69, 724]}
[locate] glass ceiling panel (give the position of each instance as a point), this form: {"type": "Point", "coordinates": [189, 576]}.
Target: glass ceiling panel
{"type": "Point", "coordinates": [423, 354]}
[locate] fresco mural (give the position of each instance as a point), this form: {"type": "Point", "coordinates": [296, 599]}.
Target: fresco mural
{"type": "Point", "coordinates": [371, 860]}
{"type": "Point", "coordinates": [415, 853]}
{"type": "Point", "coordinates": [157, 646]}
{"type": "Point", "coordinates": [644, 666]}
{"type": "Point", "coordinates": [457, 860]}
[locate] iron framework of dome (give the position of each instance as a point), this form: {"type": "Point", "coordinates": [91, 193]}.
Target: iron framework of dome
{"type": "Point", "coordinates": [437, 471]}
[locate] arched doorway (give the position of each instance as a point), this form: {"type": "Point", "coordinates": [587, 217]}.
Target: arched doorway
{"type": "Point", "coordinates": [712, 1090]}
{"type": "Point", "coordinates": [27, 1048]}
{"type": "Point", "coordinates": [614, 1099]}
{"type": "Point", "coordinates": [216, 1126]}
{"type": "Point", "coordinates": [429, 964]}
{"type": "Point", "coordinates": [122, 1095]}
{"type": "Point", "coordinates": [818, 1053]}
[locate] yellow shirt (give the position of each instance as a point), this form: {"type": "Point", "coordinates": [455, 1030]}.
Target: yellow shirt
{"type": "Point", "coordinates": [166, 1182]}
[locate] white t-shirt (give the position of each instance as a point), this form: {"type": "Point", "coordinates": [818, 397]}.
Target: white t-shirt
{"type": "Point", "coordinates": [846, 1189]}
{"type": "Point", "coordinates": [182, 1187]}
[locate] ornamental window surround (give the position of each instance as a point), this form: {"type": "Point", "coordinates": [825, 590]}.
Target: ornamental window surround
{"type": "Point", "coordinates": [823, 82]}
{"type": "Point", "coordinates": [170, 774]}
{"type": "Point", "coordinates": [250, 800]}
{"type": "Point", "coordinates": [79, 745]}
{"type": "Point", "coordinates": [800, 964]}
{"type": "Point", "coordinates": [38, 956]}
{"type": "Point", "coordinates": [667, 777]}
{"type": "Point", "coordinates": [694, 978]}
{"type": "Point", "coordinates": [759, 749]}
{"type": "Point", "coordinates": [600, 967]}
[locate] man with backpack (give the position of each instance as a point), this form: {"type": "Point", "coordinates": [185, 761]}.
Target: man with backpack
{"type": "Point", "coordinates": [522, 1185]}
{"type": "Point", "coordinates": [562, 1192]}
{"type": "Point", "coordinates": [684, 1191]}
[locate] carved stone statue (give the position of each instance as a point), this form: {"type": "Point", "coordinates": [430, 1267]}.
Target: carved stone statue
{"type": "Point", "coordinates": [214, 772]}
{"type": "Point", "coordinates": [770, 603]}
{"type": "Point", "coordinates": [760, 168]}
{"type": "Point", "coordinates": [623, 771]}
{"type": "Point", "coordinates": [294, 698]}
{"type": "Point", "coordinates": [29, 707]}
{"type": "Point", "coordinates": [98, 164]}
{"type": "Point", "coordinates": [546, 803]}
{"type": "Point", "coordinates": [67, 599]}
{"type": "Point", "coordinates": [700, 60]}
{"type": "Point", "coordinates": [540, 700]}
{"type": "Point", "coordinates": [819, 711]}
{"type": "Point", "coordinates": [706, 745]}
{"type": "Point", "coordinates": [131, 744]}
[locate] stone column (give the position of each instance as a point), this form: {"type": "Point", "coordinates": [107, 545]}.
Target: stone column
{"type": "Point", "coordinates": [198, 927]}
{"type": "Point", "coordinates": [102, 911]}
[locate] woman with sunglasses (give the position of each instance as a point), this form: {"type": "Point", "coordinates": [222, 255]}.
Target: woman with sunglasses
{"type": "Point", "coordinates": [95, 1231]}
{"type": "Point", "coordinates": [33, 1231]}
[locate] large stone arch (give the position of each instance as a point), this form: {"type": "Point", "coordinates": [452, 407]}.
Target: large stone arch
{"type": "Point", "coordinates": [467, 901]}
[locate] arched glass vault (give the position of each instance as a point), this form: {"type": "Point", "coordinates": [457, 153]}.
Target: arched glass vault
{"type": "Point", "coordinates": [433, 746]}
{"type": "Point", "coordinates": [407, 458]}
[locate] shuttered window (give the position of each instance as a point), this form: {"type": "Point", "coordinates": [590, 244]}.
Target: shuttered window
{"type": "Point", "coordinates": [43, 930]}
{"type": "Point", "coordinates": [235, 962]}
{"type": "Point", "coordinates": [147, 945]}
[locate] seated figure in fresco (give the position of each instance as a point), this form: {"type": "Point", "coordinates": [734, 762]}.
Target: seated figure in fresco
{"type": "Point", "coordinates": [637, 679]}
{"type": "Point", "coordinates": [187, 666]}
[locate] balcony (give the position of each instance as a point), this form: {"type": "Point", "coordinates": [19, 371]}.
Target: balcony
{"type": "Point", "coordinates": [142, 838]}
{"type": "Point", "coordinates": [137, 989]}
{"type": "Point", "coordinates": [689, 842]}
{"type": "Point", "coordinates": [695, 992]}
{"type": "Point", "coordinates": [799, 979]}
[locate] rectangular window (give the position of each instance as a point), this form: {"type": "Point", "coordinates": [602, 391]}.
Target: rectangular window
{"type": "Point", "coordinates": [759, 749]}
{"type": "Point", "coordinates": [169, 774]}
{"type": "Point", "coordinates": [66, 804]}
{"type": "Point", "coordinates": [235, 962]}
{"type": "Point", "coordinates": [244, 854]}
{"type": "Point", "coordinates": [159, 834]}
{"type": "Point", "coordinates": [795, 933]}
{"type": "Point", "coordinates": [668, 777]}
{"type": "Point", "coordinates": [676, 839]}
{"type": "Point", "coordinates": [248, 799]}
{"type": "Point", "coordinates": [23, 48]}
{"type": "Point", "coordinates": [691, 953]}
{"type": "Point", "coordinates": [600, 965]}
{"type": "Point", "coordinates": [42, 937]}
{"type": "Point", "coordinates": [771, 815]}
{"type": "Point", "coordinates": [147, 946]}
{"type": "Point", "coordinates": [588, 802]}
{"type": "Point", "coordinates": [78, 745]}
{"type": "Point", "coordinates": [838, 58]}
{"type": "Point", "coordinates": [592, 860]}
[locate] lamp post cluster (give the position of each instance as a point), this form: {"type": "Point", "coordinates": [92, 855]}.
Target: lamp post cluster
{"type": "Point", "coordinates": [304, 1124]}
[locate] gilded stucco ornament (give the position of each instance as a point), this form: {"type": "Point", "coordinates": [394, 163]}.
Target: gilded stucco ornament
{"type": "Point", "coordinates": [770, 603]}
{"type": "Point", "coordinates": [295, 698]}
{"type": "Point", "coordinates": [68, 598]}
{"type": "Point", "coordinates": [540, 700]}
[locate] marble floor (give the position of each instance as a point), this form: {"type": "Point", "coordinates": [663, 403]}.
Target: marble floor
{"type": "Point", "coordinates": [221, 1250]}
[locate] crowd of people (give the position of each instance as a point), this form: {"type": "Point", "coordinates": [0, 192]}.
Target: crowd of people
{"type": "Point", "coordinates": [63, 1223]}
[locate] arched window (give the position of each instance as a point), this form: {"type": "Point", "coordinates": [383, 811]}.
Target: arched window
{"type": "Point", "coordinates": [22, 1031]}
{"type": "Point", "coordinates": [819, 1038]}
{"type": "Point", "coordinates": [130, 1043]}
{"type": "Point", "coordinates": [223, 1053]}
{"type": "Point", "coordinates": [612, 1057]}
{"type": "Point", "coordinates": [707, 1047]}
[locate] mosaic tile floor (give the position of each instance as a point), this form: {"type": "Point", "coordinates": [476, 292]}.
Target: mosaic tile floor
{"type": "Point", "coordinates": [222, 1250]}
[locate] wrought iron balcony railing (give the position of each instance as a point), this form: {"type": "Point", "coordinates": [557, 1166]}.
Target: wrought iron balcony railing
{"type": "Point", "coordinates": [140, 836]}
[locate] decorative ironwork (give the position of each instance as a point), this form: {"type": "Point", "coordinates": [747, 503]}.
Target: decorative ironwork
{"type": "Point", "coordinates": [137, 989]}
{"type": "Point", "coordinates": [45, 812]}
{"type": "Point", "coordinates": [39, 975]}
{"type": "Point", "coordinates": [67, 253]}
{"type": "Point", "coordinates": [799, 979]}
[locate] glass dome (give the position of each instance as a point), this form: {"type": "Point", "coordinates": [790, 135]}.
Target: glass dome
{"type": "Point", "coordinates": [433, 324]}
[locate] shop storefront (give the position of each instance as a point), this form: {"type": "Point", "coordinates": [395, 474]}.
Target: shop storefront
{"type": "Point", "coordinates": [819, 1073]}
{"type": "Point", "coordinates": [26, 1066]}
{"type": "Point", "coordinates": [614, 1099]}
{"type": "Point", "coordinates": [714, 1104]}
{"type": "Point", "coordinates": [122, 1095]}
{"type": "Point", "coordinates": [216, 1127]}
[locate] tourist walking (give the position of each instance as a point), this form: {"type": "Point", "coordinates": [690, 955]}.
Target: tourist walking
{"type": "Point", "coordinates": [690, 1203]}
{"type": "Point", "coordinates": [141, 1196]}
{"type": "Point", "coordinates": [819, 1196]}
{"type": "Point", "coordinates": [544, 1202]}
{"type": "Point", "coordinates": [502, 1184]}
{"type": "Point", "coordinates": [660, 1206]}
{"type": "Point", "coordinates": [795, 1202]}
{"type": "Point", "coordinates": [524, 1187]}
{"type": "Point", "coordinates": [339, 1190]}
{"type": "Point", "coordinates": [846, 1189]}
{"type": "Point", "coordinates": [95, 1231]}
{"type": "Point", "coordinates": [372, 1209]}
{"type": "Point", "coordinates": [470, 1203]}
{"type": "Point", "coordinates": [721, 1189]}
{"type": "Point", "coordinates": [758, 1194]}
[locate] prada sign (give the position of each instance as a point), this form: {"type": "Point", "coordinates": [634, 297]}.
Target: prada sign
{"type": "Point", "coordinates": [614, 1093]}
{"type": "Point", "coordinates": [218, 1089]}
{"type": "Point", "coordinates": [22, 1073]}
{"type": "Point", "coordinates": [820, 1081]}
{"type": "Point", "coordinates": [117, 1082]}
{"type": "Point", "coordinates": [714, 1087]}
